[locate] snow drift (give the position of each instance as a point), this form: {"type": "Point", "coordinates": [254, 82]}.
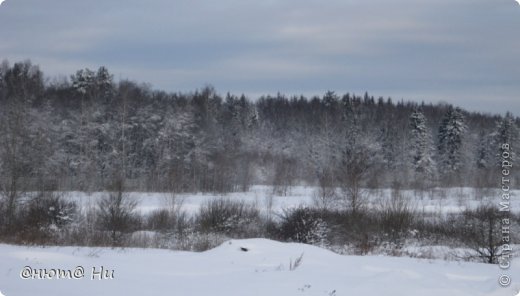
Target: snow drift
{"type": "Point", "coordinates": [244, 267]}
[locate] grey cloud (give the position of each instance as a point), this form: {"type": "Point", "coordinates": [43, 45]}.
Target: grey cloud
{"type": "Point", "coordinates": [461, 51]}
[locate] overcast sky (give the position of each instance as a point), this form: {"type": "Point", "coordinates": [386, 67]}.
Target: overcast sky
{"type": "Point", "coordinates": [465, 52]}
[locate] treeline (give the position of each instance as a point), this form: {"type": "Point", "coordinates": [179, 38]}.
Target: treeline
{"type": "Point", "coordinates": [90, 133]}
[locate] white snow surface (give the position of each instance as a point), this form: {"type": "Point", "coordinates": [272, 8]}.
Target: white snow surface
{"type": "Point", "coordinates": [435, 201]}
{"type": "Point", "coordinates": [263, 270]}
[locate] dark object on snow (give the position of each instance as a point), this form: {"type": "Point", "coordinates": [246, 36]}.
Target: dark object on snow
{"type": "Point", "coordinates": [244, 249]}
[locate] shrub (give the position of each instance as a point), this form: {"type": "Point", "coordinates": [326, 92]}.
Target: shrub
{"type": "Point", "coordinates": [303, 225]}
{"type": "Point", "coordinates": [396, 216]}
{"type": "Point", "coordinates": [198, 242]}
{"type": "Point", "coordinates": [115, 215]}
{"type": "Point", "coordinates": [228, 217]}
{"type": "Point", "coordinates": [359, 229]}
{"type": "Point", "coordinates": [50, 209]}
{"type": "Point", "coordinates": [166, 221]}
{"type": "Point", "coordinates": [44, 217]}
{"type": "Point", "coordinates": [160, 220]}
{"type": "Point", "coordinates": [481, 231]}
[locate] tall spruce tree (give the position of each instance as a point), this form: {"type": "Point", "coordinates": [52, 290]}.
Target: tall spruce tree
{"type": "Point", "coordinates": [451, 133]}
{"type": "Point", "coordinates": [507, 134]}
{"type": "Point", "coordinates": [421, 147]}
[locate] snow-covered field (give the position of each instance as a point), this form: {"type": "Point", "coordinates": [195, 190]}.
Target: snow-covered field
{"type": "Point", "coordinates": [245, 267]}
{"type": "Point", "coordinates": [435, 201]}
{"type": "Point", "coordinates": [258, 266]}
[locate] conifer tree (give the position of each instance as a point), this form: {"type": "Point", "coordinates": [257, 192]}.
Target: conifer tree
{"type": "Point", "coordinates": [421, 146]}
{"type": "Point", "coordinates": [451, 133]}
{"type": "Point", "coordinates": [507, 134]}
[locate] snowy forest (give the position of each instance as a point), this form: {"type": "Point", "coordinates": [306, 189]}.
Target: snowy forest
{"type": "Point", "coordinates": [365, 162]}
{"type": "Point", "coordinates": [87, 132]}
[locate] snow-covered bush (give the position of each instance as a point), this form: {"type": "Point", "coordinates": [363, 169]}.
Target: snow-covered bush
{"type": "Point", "coordinates": [304, 225]}
{"type": "Point", "coordinates": [196, 241]}
{"type": "Point", "coordinates": [45, 216]}
{"type": "Point", "coordinates": [233, 218]}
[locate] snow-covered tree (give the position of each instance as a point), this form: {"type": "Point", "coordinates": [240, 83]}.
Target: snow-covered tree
{"type": "Point", "coordinates": [177, 143]}
{"type": "Point", "coordinates": [360, 155]}
{"type": "Point", "coordinates": [507, 133]}
{"type": "Point", "coordinates": [325, 149]}
{"type": "Point", "coordinates": [83, 80]}
{"type": "Point", "coordinates": [93, 84]}
{"type": "Point", "coordinates": [485, 159]}
{"type": "Point", "coordinates": [21, 142]}
{"type": "Point", "coordinates": [421, 149]}
{"type": "Point", "coordinates": [451, 133]}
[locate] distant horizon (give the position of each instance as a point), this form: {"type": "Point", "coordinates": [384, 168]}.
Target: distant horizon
{"type": "Point", "coordinates": [253, 96]}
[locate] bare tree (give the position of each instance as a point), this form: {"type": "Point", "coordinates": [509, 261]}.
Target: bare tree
{"type": "Point", "coordinates": [481, 232]}
{"type": "Point", "coordinates": [358, 161]}
{"type": "Point", "coordinates": [116, 213]}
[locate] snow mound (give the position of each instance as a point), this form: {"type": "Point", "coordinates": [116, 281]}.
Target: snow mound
{"type": "Point", "coordinates": [260, 246]}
